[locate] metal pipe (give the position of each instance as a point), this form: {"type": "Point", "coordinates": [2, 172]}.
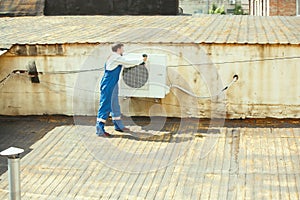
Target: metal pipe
{"type": "Point", "coordinates": [13, 156]}
{"type": "Point", "coordinates": [14, 178]}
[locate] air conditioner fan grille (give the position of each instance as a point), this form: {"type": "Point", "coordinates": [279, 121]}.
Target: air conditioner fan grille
{"type": "Point", "coordinates": [136, 76]}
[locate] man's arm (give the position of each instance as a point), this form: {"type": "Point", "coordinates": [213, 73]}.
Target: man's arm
{"type": "Point", "coordinates": [127, 61]}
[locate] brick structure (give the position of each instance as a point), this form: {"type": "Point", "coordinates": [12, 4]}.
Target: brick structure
{"type": "Point", "coordinates": [283, 7]}
{"type": "Point", "coordinates": [274, 7]}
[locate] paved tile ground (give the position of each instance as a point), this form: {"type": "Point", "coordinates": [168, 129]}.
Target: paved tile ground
{"type": "Point", "coordinates": [179, 160]}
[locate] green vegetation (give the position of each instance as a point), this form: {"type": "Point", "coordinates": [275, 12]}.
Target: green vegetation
{"type": "Point", "coordinates": [217, 10]}
{"type": "Point", "coordinates": [238, 10]}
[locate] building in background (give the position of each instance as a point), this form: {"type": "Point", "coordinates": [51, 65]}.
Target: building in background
{"type": "Point", "coordinates": [274, 7]}
{"type": "Point", "coordinates": [14, 8]}
{"type": "Point", "coordinates": [203, 53]}
{"type": "Point", "coordinates": [203, 6]}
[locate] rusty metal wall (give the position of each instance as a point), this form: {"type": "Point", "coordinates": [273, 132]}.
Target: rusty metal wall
{"type": "Point", "coordinates": [268, 84]}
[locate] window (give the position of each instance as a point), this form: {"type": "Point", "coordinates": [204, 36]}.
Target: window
{"type": "Point", "coordinates": [260, 7]}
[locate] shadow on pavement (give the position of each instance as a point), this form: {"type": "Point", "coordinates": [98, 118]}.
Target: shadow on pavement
{"type": "Point", "coordinates": [23, 132]}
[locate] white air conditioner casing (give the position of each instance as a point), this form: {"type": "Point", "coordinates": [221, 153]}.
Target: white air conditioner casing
{"type": "Point", "coordinates": [232, 2]}
{"type": "Point", "coordinates": [145, 80]}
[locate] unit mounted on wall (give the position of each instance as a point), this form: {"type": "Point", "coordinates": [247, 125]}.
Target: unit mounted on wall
{"type": "Point", "coordinates": [145, 80]}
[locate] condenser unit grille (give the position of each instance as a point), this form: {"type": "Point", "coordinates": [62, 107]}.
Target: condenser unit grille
{"type": "Point", "coordinates": [147, 80]}
{"type": "Point", "coordinates": [135, 77]}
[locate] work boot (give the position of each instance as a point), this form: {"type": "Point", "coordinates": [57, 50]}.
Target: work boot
{"type": "Point", "coordinates": [100, 131]}
{"type": "Point", "coordinates": [119, 126]}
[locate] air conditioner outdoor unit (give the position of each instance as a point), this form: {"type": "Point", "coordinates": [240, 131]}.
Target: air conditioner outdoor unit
{"type": "Point", "coordinates": [145, 80]}
{"type": "Point", "coordinates": [232, 2]}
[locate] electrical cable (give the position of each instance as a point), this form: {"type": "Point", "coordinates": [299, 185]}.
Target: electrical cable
{"type": "Point", "coordinates": [99, 69]}
{"type": "Point", "coordinates": [235, 78]}
{"type": "Point", "coordinates": [2, 82]}
{"type": "Point", "coordinates": [192, 64]}
{"type": "Point", "coordinates": [5, 79]}
{"type": "Point", "coordinates": [47, 83]}
{"type": "Point", "coordinates": [237, 61]}
{"type": "Point", "coordinates": [74, 71]}
{"type": "Point", "coordinates": [52, 87]}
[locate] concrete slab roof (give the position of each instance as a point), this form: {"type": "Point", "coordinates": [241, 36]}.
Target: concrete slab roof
{"type": "Point", "coordinates": [250, 159]}
{"type": "Point", "coordinates": [228, 29]}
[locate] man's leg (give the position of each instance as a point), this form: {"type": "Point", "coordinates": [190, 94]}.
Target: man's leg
{"type": "Point", "coordinates": [103, 112]}
{"type": "Point", "coordinates": [116, 111]}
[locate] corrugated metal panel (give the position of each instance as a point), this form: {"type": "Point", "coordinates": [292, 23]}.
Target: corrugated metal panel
{"type": "Point", "coordinates": [150, 29]}
{"type": "Point", "coordinates": [21, 7]}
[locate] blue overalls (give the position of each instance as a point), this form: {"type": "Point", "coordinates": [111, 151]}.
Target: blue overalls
{"type": "Point", "coordinates": [109, 102]}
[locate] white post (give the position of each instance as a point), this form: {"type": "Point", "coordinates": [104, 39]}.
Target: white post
{"type": "Point", "coordinates": [13, 156]}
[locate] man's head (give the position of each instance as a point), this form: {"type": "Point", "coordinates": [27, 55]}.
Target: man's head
{"type": "Point", "coordinates": [118, 48]}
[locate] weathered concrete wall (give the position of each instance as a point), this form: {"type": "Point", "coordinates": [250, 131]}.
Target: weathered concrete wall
{"type": "Point", "coordinates": [268, 84]}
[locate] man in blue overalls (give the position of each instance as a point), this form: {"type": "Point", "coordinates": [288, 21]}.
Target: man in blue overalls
{"type": "Point", "coordinates": [109, 102]}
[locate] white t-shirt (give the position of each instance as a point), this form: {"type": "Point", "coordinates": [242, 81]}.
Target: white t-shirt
{"type": "Point", "coordinates": [116, 59]}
